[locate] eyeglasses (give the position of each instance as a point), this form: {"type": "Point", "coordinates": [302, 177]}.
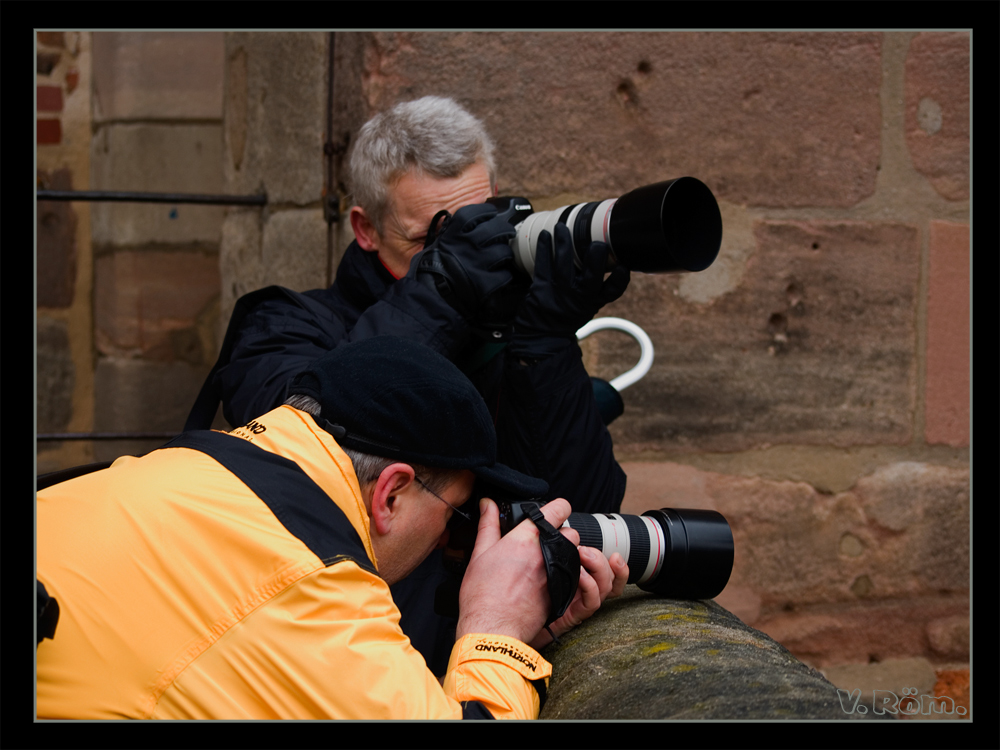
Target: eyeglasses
{"type": "Point", "coordinates": [461, 513]}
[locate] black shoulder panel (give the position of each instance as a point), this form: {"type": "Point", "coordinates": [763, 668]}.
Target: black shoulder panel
{"type": "Point", "coordinates": [297, 501]}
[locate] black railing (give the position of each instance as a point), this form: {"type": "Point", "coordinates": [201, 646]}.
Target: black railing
{"type": "Point", "coordinates": [45, 436]}
{"type": "Point", "coordinates": [122, 196]}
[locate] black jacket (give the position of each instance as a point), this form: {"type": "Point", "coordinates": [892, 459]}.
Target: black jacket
{"type": "Point", "coordinates": [547, 421]}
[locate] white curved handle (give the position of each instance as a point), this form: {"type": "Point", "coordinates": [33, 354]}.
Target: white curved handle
{"type": "Point", "coordinates": [645, 358]}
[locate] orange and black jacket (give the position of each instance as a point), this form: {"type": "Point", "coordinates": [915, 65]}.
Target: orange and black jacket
{"type": "Point", "coordinates": [547, 419]}
{"type": "Point", "coordinates": [232, 576]}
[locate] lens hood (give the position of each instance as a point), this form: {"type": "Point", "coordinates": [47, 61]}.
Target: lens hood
{"type": "Point", "coordinates": [666, 227]}
{"type": "Point", "coordinates": [698, 558]}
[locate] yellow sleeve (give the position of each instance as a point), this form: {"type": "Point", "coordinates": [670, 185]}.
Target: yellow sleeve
{"type": "Point", "coordinates": [330, 647]}
{"type": "Point", "coordinates": [504, 674]}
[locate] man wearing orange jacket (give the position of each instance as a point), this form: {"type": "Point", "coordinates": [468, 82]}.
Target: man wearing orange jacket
{"type": "Point", "coordinates": [246, 575]}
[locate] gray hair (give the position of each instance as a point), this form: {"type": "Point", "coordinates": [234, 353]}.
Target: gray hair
{"type": "Point", "coordinates": [434, 135]}
{"type": "Point", "coordinates": [369, 468]}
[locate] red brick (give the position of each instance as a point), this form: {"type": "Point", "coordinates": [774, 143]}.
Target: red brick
{"type": "Point", "coordinates": [51, 38]}
{"type": "Point", "coordinates": [937, 110]}
{"type": "Point", "coordinates": [948, 337]}
{"type": "Point", "coordinates": [49, 99]}
{"type": "Point", "coordinates": [954, 683]}
{"type": "Point", "coordinates": [46, 62]}
{"type": "Point", "coordinates": [48, 132]}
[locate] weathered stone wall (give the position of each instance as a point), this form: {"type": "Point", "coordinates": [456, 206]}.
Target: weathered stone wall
{"type": "Point", "coordinates": [147, 117]}
{"type": "Point", "coordinates": [64, 276]}
{"type": "Point", "coordinates": [813, 384]}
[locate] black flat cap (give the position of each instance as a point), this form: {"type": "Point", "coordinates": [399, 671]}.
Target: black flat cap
{"type": "Point", "coordinates": [391, 397]}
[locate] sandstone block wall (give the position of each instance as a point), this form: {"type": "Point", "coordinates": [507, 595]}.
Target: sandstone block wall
{"type": "Point", "coordinates": [140, 301]}
{"type": "Point", "coordinates": [813, 384]}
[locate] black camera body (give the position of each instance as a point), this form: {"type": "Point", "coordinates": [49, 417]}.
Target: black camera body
{"type": "Point", "coordinates": [666, 227]}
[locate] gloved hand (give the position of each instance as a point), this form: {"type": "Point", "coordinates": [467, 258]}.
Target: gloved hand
{"type": "Point", "coordinates": [471, 264]}
{"type": "Point", "coordinates": [563, 297]}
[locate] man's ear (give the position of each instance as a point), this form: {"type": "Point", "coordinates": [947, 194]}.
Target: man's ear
{"type": "Point", "coordinates": [394, 480]}
{"type": "Point", "coordinates": [364, 230]}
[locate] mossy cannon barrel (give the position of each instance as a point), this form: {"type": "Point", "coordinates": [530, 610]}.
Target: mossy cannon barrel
{"type": "Point", "coordinates": [644, 657]}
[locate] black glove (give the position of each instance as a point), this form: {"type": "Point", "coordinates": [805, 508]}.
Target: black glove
{"type": "Point", "coordinates": [563, 297]}
{"type": "Point", "coordinates": [562, 565]}
{"type": "Point", "coordinates": [471, 265]}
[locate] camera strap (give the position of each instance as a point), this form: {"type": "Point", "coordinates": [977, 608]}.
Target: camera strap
{"type": "Point", "coordinates": [562, 564]}
{"type": "Point", "coordinates": [438, 222]}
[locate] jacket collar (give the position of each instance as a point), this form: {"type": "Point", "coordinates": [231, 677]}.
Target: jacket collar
{"type": "Point", "coordinates": [361, 277]}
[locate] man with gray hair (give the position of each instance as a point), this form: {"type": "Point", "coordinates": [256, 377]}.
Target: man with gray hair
{"type": "Point", "coordinates": [404, 162]}
{"type": "Point", "coordinates": [431, 262]}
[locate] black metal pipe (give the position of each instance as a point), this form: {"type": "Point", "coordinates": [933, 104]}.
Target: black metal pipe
{"type": "Point", "coordinates": [106, 436]}
{"type": "Point", "coordinates": [136, 197]}
{"type": "Point", "coordinates": [331, 202]}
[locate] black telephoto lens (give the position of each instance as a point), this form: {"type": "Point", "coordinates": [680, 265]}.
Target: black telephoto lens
{"type": "Point", "coordinates": [671, 226]}
{"type": "Point", "coordinates": [667, 227]}
{"type": "Point", "coordinates": [676, 553]}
